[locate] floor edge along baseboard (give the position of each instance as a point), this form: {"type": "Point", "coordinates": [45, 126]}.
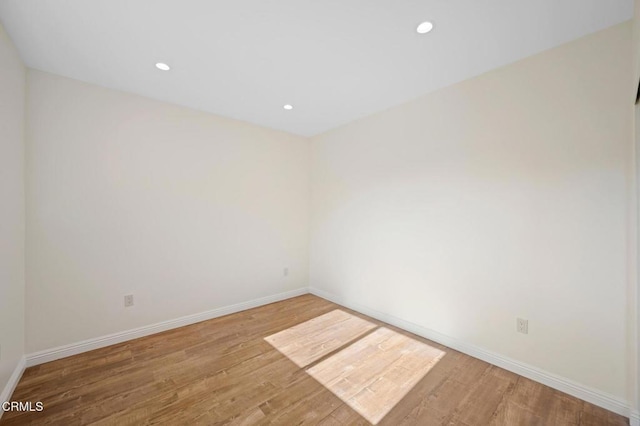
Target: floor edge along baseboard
{"type": "Point", "coordinates": [13, 382]}
{"type": "Point", "coordinates": [59, 352]}
{"type": "Point", "coordinates": [554, 381]}
{"type": "Point", "coordinates": [577, 390]}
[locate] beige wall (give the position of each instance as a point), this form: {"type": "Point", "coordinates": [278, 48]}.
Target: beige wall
{"type": "Point", "coordinates": [502, 196]}
{"type": "Point", "coordinates": [634, 294]}
{"type": "Point", "coordinates": [12, 220]}
{"type": "Point", "coordinates": [185, 210]}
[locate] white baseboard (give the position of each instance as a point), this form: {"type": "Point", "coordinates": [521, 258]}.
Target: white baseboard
{"type": "Point", "coordinates": [585, 393]}
{"type": "Point", "coordinates": [100, 342]}
{"type": "Point", "coordinates": [596, 397]}
{"type": "Point", "coordinates": [12, 383]}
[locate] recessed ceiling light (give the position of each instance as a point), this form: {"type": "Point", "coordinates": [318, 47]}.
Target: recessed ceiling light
{"type": "Point", "coordinates": [424, 27]}
{"type": "Point", "coordinates": [288, 107]}
{"type": "Point", "coordinates": [162, 66]}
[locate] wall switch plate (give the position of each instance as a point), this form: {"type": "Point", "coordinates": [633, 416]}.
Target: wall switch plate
{"type": "Point", "coordinates": [285, 272]}
{"type": "Point", "coordinates": [522, 326]}
{"type": "Point", "coordinates": [128, 300]}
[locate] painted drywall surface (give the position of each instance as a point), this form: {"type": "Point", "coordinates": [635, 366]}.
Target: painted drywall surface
{"type": "Point", "coordinates": [12, 201]}
{"type": "Point", "coordinates": [634, 293]}
{"type": "Point", "coordinates": [636, 41]}
{"type": "Point", "coordinates": [185, 210]}
{"type": "Point", "coordinates": [500, 197]}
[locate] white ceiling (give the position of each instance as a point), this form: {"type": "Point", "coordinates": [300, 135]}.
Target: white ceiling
{"type": "Point", "coordinates": [334, 60]}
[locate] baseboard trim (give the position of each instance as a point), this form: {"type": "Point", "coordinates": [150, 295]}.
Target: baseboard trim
{"type": "Point", "coordinates": [562, 384]}
{"type": "Point", "coordinates": [59, 352]}
{"type": "Point", "coordinates": [13, 382]}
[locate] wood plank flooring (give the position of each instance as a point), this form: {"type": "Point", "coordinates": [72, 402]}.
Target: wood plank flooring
{"type": "Point", "coordinates": [373, 374]}
{"type": "Point", "coordinates": [223, 371]}
{"type": "Point", "coordinates": [311, 340]}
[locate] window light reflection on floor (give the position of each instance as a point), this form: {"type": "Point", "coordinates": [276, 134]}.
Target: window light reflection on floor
{"type": "Point", "coordinates": [373, 371]}
{"type": "Point", "coordinates": [309, 341]}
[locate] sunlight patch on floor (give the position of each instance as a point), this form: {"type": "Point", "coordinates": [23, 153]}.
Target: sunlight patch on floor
{"type": "Point", "coordinates": [376, 372]}
{"type": "Point", "coordinates": [311, 340]}
{"type": "Point", "coordinates": [372, 374]}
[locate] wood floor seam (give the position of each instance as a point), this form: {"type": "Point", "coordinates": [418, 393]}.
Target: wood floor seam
{"type": "Point", "coordinates": [335, 351]}
{"type": "Point", "coordinates": [223, 371]}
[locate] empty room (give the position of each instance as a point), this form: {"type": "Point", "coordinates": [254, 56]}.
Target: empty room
{"type": "Point", "coordinates": [285, 212]}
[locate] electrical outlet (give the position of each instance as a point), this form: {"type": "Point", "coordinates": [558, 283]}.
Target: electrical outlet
{"type": "Point", "coordinates": [522, 326]}
{"type": "Point", "coordinates": [128, 300]}
{"type": "Point", "coordinates": [285, 272]}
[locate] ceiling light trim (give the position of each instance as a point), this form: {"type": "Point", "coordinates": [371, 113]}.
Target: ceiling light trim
{"type": "Point", "coordinates": [425, 27]}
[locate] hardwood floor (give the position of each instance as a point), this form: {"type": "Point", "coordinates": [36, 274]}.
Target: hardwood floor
{"type": "Point", "coordinates": [223, 371]}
